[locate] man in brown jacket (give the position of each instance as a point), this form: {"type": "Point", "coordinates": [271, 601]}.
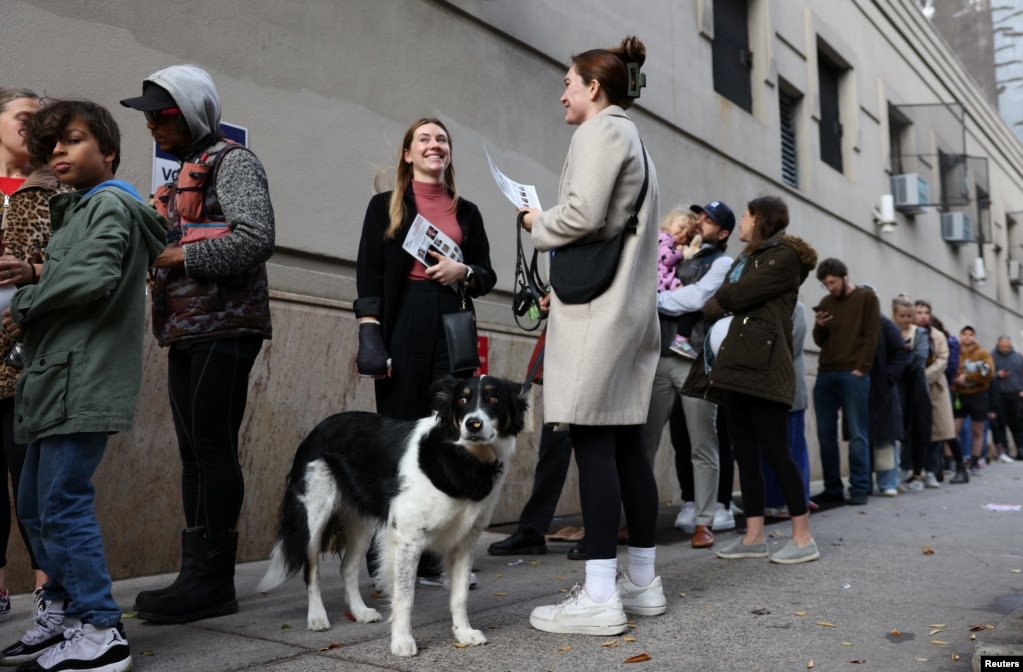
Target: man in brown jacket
{"type": "Point", "coordinates": [847, 326]}
{"type": "Point", "coordinates": [970, 387]}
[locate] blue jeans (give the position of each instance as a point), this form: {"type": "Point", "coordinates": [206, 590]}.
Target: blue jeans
{"type": "Point", "coordinates": [842, 390]}
{"type": "Point", "coordinates": [886, 468]}
{"type": "Point", "coordinates": [800, 455]}
{"type": "Point", "coordinates": [55, 502]}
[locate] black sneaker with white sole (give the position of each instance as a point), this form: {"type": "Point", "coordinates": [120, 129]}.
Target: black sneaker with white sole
{"type": "Point", "coordinates": [47, 630]}
{"type": "Point", "coordinates": [85, 648]}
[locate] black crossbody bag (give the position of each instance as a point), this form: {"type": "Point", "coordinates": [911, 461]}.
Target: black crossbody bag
{"type": "Point", "coordinates": [582, 272]}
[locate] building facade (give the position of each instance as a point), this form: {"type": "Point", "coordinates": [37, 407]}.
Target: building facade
{"type": "Point", "coordinates": [832, 105]}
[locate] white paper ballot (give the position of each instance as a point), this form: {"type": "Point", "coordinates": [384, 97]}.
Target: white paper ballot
{"type": "Point", "coordinates": [423, 236]}
{"type": "Point", "coordinates": [521, 195]}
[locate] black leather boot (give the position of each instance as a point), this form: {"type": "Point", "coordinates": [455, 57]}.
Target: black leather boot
{"type": "Point", "coordinates": [187, 563]}
{"type": "Point", "coordinates": [525, 541]}
{"type": "Point", "coordinates": [962, 476]}
{"type": "Point", "coordinates": [207, 590]}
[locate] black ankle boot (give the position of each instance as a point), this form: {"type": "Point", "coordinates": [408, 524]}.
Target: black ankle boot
{"type": "Point", "coordinates": [205, 591]}
{"type": "Point", "coordinates": [962, 476]}
{"type": "Point", "coordinates": [187, 564]}
{"type": "Point", "coordinates": [525, 541]}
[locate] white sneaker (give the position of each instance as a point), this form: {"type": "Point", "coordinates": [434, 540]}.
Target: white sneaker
{"type": "Point", "coordinates": [47, 631]}
{"type": "Point", "coordinates": [645, 601]}
{"type": "Point", "coordinates": [930, 480]}
{"type": "Point", "coordinates": [88, 648]}
{"type": "Point", "coordinates": [578, 614]}
{"type": "Point", "coordinates": [1002, 457]}
{"type": "Point", "coordinates": [686, 519]}
{"type": "Point", "coordinates": [724, 519]}
{"type": "Point", "coordinates": [890, 492]}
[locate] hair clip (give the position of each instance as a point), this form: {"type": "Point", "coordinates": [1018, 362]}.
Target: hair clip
{"type": "Point", "coordinates": [637, 80]}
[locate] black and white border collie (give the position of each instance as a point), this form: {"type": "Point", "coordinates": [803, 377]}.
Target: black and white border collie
{"type": "Point", "coordinates": [428, 484]}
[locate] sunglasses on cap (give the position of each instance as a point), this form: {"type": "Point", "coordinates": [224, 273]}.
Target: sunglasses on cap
{"type": "Point", "coordinates": [161, 116]}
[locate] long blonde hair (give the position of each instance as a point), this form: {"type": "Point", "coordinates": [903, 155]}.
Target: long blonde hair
{"type": "Point", "coordinates": [403, 178]}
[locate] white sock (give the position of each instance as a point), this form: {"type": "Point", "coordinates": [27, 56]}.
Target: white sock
{"type": "Point", "coordinates": [641, 565]}
{"type": "Point", "coordinates": [600, 579]}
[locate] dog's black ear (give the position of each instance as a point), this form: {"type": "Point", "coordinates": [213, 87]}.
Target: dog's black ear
{"type": "Point", "coordinates": [441, 392]}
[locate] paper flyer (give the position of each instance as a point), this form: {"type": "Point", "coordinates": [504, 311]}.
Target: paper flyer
{"type": "Point", "coordinates": [521, 195]}
{"type": "Point", "coordinates": [423, 236]}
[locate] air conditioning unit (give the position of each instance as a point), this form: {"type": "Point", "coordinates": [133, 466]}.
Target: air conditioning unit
{"type": "Point", "coordinates": [1015, 273]}
{"type": "Point", "coordinates": [911, 193]}
{"type": "Point", "coordinates": [956, 228]}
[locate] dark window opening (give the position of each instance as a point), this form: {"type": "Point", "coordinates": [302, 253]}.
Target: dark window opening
{"type": "Point", "coordinates": [829, 75]}
{"type": "Point", "coordinates": [731, 53]}
{"type": "Point", "coordinates": [788, 104]}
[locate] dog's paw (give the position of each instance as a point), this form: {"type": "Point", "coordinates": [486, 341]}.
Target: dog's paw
{"type": "Point", "coordinates": [469, 636]}
{"type": "Point", "coordinates": [318, 623]}
{"type": "Point", "coordinates": [403, 646]}
{"type": "Point", "coordinates": [366, 615]}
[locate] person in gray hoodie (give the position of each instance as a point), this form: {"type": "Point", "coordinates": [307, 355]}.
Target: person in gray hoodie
{"type": "Point", "coordinates": [82, 327]}
{"type": "Point", "coordinates": [211, 309]}
{"type": "Point", "coordinates": [1008, 384]}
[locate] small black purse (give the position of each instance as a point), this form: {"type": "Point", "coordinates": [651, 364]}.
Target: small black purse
{"type": "Point", "coordinates": [582, 272]}
{"type": "Point", "coordinates": [460, 332]}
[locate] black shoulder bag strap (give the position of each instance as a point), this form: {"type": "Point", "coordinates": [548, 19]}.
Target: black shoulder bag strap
{"type": "Point", "coordinates": [630, 225]}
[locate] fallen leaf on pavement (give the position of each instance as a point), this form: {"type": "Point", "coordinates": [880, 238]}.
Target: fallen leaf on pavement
{"type": "Point", "coordinates": [934, 632]}
{"type": "Point", "coordinates": [976, 628]}
{"type": "Point", "coordinates": [937, 625]}
{"type": "Point", "coordinates": [500, 594]}
{"type": "Point", "coordinates": [639, 658]}
{"type": "Point", "coordinates": [1016, 571]}
{"type": "Point", "coordinates": [613, 643]}
{"type": "Point", "coordinates": [566, 647]}
{"type": "Point", "coordinates": [857, 660]}
{"type": "Point", "coordinates": [800, 613]}
{"type": "Point", "coordinates": [928, 550]}
{"type": "Point", "coordinates": [330, 646]}
{"type": "Point", "coordinates": [938, 642]}
{"type": "Point", "coordinates": [846, 643]}
{"type": "Point", "coordinates": [760, 612]}
{"type": "Point", "coordinates": [921, 660]}
{"type": "Point", "coordinates": [460, 645]}
{"type": "Point", "coordinates": [955, 656]}
{"type": "Point", "coordinates": [896, 633]}
{"type": "Point", "coordinates": [825, 624]}
{"type": "Point", "coordinates": [628, 639]}
{"type": "Point", "coordinates": [809, 664]}
{"type": "Point", "coordinates": [500, 575]}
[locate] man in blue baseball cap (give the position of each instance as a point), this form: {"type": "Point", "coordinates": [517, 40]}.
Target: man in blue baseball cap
{"type": "Point", "coordinates": [701, 275]}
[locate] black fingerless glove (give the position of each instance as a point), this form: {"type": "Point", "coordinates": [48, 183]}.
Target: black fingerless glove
{"type": "Point", "coordinates": [372, 357]}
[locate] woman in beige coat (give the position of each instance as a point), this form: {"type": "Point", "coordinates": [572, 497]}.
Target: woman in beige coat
{"type": "Point", "coordinates": [943, 426]}
{"type": "Point", "coordinates": [601, 355]}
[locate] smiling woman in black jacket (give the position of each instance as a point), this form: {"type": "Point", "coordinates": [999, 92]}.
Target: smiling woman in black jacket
{"type": "Point", "coordinates": [752, 372]}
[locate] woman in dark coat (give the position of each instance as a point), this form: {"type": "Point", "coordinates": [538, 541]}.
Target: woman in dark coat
{"type": "Point", "coordinates": [753, 374]}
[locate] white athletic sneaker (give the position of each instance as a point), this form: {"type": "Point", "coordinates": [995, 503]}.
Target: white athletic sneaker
{"type": "Point", "coordinates": [930, 480]}
{"type": "Point", "coordinates": [1002, 457]}
{"type": "Point", "coordinates": [646, 601]}
{"type": "Point", "coordinates": [686, 519]}
{"type": "Point", "coordinates": [724, 519]}
{"type": "Point", "coordinates": [578, 614]}
{"type": "Point", "coordinates": [88, 648]}
{"type": "Point", "coordinates": [47, 630]}
{"type": "Point", "coordinates": [890, 492]}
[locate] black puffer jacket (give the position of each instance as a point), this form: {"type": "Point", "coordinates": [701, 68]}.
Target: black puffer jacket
{"type": "Point", "coordinates": [755, 356]}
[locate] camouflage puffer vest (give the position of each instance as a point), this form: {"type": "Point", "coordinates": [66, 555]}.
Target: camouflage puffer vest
{"type": "Point", "coordinates": [187, 308]}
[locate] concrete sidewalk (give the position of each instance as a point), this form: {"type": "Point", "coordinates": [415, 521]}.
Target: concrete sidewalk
{"type": "Point", "coordinates": [932, 566]}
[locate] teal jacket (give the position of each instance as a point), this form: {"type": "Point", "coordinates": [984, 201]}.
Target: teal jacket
{"type": "Point", "coordinates": [84, 320]}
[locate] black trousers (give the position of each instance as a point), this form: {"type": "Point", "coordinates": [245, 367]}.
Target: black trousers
{"type": "Point", "coordinates": [554, 456]}
{"type": "Point", "coordinates": [418, 349]}
{"type": "Point", "coordinates": [208, 384]}
{"type": "Point", "coordinates": [760, 429]}
{"type": "Point", "coordinates": [613, 474]}
{"type": "Point", "coordinates": [13, 456]}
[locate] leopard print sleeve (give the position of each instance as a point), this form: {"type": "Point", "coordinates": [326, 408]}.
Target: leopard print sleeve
{"type": "Point", "coordinates": [26, 235]}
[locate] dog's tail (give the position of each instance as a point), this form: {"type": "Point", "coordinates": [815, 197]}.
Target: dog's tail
{"type": "Point", "coordinates": [278, 572]}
